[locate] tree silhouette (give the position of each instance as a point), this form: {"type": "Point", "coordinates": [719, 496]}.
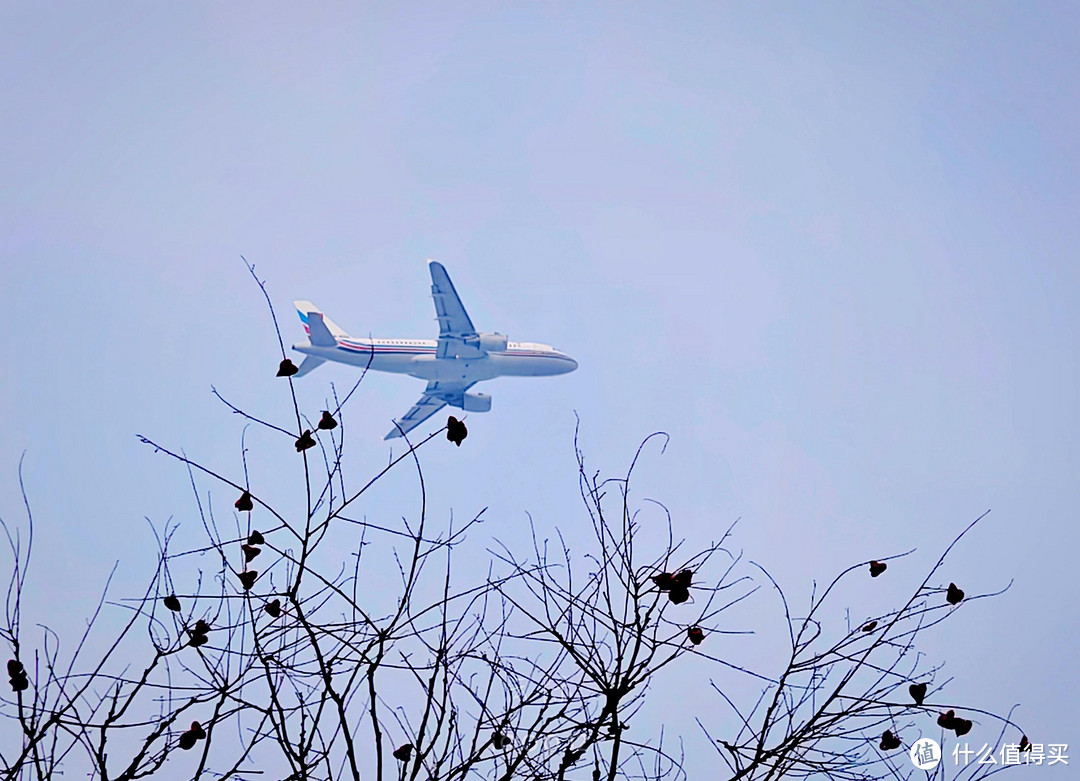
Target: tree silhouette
{"type": "Point", "coordinates": [359, 649]}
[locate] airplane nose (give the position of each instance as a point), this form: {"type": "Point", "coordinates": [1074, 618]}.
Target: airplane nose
{"type": "Point", "coordinates": [573, 364]}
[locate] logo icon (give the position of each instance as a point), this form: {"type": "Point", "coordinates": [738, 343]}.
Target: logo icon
{"type": "Point", "coordinates": [925, 754]}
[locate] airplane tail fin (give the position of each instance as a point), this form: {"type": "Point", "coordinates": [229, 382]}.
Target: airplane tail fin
{"type": "Point", "coordinates": [321, 330]}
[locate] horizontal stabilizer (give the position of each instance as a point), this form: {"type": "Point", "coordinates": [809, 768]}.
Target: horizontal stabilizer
{"type": "Point", "coordinates": [309, 365]}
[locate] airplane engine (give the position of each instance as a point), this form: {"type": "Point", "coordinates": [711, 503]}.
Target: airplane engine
{"type": "Point", "coordinates": [493, 343]}
{"type": "Point", "coordinates": [476, 402]}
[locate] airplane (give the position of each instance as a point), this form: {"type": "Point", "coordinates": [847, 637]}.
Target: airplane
{"type": "Point", "coordinates": [451, 364]}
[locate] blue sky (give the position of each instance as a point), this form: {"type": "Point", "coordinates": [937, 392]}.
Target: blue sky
{"type": "Point", "coordinates": [831, 249]}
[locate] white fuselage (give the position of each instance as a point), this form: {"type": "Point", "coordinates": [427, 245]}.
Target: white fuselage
{"type": "Point", "coordinates": [416, 357]}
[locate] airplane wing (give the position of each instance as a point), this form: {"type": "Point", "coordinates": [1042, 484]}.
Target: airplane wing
{"type": "Point", "coordinates": [455, 327]}
{"type": "Point", "coordinates": [436, 396]}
